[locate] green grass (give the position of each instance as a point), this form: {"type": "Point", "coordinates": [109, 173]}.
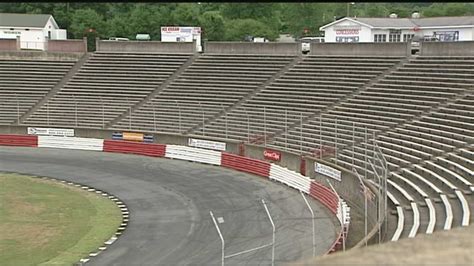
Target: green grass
{"type": "Point", "coordinates": [50, 223]}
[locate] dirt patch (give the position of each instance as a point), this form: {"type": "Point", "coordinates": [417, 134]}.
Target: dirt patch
{"type": "Point", "coordinates": [27, 235]}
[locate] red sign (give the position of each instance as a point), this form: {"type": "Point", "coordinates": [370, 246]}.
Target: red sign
{"type": "Point", "coordinates": [272, 155]}
{"type": "Point", "coordinates": [347, 32]}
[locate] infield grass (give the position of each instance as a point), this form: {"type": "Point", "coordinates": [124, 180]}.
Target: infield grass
{"type": "Point", "coordinates": [44, 222]}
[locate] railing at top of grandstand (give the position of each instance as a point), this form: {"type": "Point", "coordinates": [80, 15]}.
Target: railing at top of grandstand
{"type": "Point", "coordinates": [32, 45]}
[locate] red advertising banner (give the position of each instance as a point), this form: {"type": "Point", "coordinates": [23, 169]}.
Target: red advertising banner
{"type": "Point", "coordinates": [272, 155]}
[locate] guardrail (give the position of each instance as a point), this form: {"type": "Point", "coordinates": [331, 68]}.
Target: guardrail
{"type": "Point", "coordinates": [253, 166]}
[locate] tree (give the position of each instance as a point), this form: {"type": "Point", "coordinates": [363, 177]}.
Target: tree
{"type": "Point", "coordinates": [212, 24]}
{"type": "Point", "coordinates": [84, 19]}
{"type": "Point", "coordinates": [237, 29]}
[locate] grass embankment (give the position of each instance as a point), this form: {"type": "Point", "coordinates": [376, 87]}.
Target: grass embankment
{"type": "Point", "coordinates": [51, 223]}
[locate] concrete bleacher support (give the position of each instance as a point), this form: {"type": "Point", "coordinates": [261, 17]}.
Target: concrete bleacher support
{"type": "Point", "coordinates": [67, 46]}
{"type": "Point", "coordinates": [39, 55]}
{"type": "Point", "coordinates": [464, 48]}
{"type": "Point", "coordinates": [274, 48]}
{"type": "Point", "coordinates": [145, 46]}
{"type": "Point", "coordinates": [360, 49]}
{"type": "Point", "coordinates": [8, 45]}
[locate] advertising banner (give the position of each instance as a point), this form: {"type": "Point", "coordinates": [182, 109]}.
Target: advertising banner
{"type": "Point", "coordinates": [207, 144]}
{"type": "Point", "coordinates": [327, 171]}
{"type": "Point", "coordinates": [140, 137]}
{"type": "Point", "coordinates": [59, 132]}
{"type": "Point", "coordinates": [180, 34]}
{"type": "Point", "coordinates": [272, 155]}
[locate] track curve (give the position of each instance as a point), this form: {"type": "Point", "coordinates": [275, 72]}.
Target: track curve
{"type": "Point", "coordinates": [169, 203]}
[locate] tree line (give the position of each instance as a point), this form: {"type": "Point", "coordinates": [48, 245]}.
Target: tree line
{"type": "Point", "coordinates": [220, 21]}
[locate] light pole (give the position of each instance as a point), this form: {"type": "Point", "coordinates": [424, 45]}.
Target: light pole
{"type": "Point", "coordinates": [312, 222]}
{"type": "Point", "coordinates": [365, 204]}
{"type": "Point", "coordinates": [349, 8]}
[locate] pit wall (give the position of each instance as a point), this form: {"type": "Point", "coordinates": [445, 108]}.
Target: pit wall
{"type": "Point", "coordinates": [349, 188]}
{"type": "Point", "coordinates": [144, 46]}
{"type": "Point", "coordinates": [274, 48]}
{"type": "Point", "coordinates": [361, 49]}
{"type": "Point", "coordinates": [464, 48]}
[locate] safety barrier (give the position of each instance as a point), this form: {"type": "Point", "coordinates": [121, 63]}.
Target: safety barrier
{"type": "Point", "coordinates": [148, 149]}
{"type": "Point", "coordinates": [261, 168]}
{"type": "Point", "coordinates": [290, 178]}
{"type": "Point", "coordinates": [193, 154]}
{"type": "Point", "coordinates": [244, 164]}
{"type": "Point", "coordinates": [324, 195]}
{"type": "Point", "coordinates": [89, 144]}
{"type": "Point", "coordinates": [18, 140]}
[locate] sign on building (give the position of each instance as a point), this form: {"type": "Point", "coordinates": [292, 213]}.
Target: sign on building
{"type": "Point", "coordinates": [60, 132]}
{"type": "Point", "coordinates": [327, 171]}
{"type": "Point", "coordinates": [207, 144]}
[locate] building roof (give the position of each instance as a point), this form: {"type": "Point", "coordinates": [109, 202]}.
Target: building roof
{"type": "Point", "coordinates": [24, 20]}
{"type": "Point", "coordinates": [387, 22]}
{"type": "Point", "coordinates": [409, 22]}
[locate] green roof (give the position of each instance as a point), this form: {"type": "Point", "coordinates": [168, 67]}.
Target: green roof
{"type": "Point", "coordinates": [24, 20]}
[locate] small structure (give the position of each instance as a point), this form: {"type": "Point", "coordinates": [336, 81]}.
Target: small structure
{"type": "Point", "coordinates": [394, 29]}
{"type": "Point", "coordinates": [32, 29]}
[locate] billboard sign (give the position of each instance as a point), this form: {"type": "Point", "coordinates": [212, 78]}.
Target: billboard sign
{"type": "Point", "coordinates": [327, 171]}
{"type": "Point", "coordinates": [59, 132]}
{"type": "Point", "coordinates": [207, 144]}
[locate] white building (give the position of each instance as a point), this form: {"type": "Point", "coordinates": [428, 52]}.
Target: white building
{"type": "Point", "coordinates": [33, 29]}
{"type": "Point", "coordinates": [395, 29]}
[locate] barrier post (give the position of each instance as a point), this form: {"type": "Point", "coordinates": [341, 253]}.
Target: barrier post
{"type": "Point", "coordinates": [301, 133]}
{"type": "Point", "coordinates": [353, 142]}
{"type": "Point", "coordinates": [75, 109]}
{"type": "Point", "coordinates": [179, 117]}
{"type": "Point", "coordinates": [264, 127]}
{"type": "Point", "coordinates": [312, 222]}
{"type": "Point", "coordinates": [286, 129]}
{"type": "Point", "coordinates": [220, 236]}
{"type": "Point", "coordinates": [17, 109]}
{"type": "Point", "coordinates": [320, 137]}
{"type": "Point", "coordinates": [335, 139]}
{"type": "Point", "coordinates": [154, 116]}
{"type": "Point", "coordinates": [203, 120]}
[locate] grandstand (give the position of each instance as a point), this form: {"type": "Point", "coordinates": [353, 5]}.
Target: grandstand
{"type": "Point", "coordinates": [418, 110]}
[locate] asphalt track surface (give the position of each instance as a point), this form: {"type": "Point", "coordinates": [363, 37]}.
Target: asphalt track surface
{"type": "Point", "coordinates": [169, 203]}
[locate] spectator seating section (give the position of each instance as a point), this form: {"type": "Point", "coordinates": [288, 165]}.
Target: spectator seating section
{"type": "Point", "coordinates": [209, 85]}
{"type": "Point", "coordinates": [106, 86]}
{"type": "Point", "coordinates": [23, 83]}
{"type": "Point", "coordinates": [313, 84]}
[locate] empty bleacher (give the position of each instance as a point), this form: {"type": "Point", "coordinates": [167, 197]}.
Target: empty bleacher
{"type": "Point", "coordinates": [209, 85]}
{"type": "Point", "coordinates": [107, 85]}
{"type": "Point", "coordinates": [23, 83]}
{"type": "Point", "coordinates": [313, 84]}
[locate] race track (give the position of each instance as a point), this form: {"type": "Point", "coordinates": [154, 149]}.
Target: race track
{"type": "Point", "coordinates": [169, 203]}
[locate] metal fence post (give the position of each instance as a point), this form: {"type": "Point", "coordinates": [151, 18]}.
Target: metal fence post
{"type": "Point", "coordinates": [312, 222]}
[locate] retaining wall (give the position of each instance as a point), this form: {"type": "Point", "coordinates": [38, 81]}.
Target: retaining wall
{"type": "Point", "coordinates": [464, 48]}
{"type": "Point", "coordinates": [68, 46]}
{"type": "Point", "coordinates": [360, 49]}
{"type": "Point", "coordinates": [274, 48]}
{"type": "Point", "coordinates": [145, 46]}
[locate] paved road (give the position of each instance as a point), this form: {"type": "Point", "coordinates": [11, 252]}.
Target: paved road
{"type": "Point", "coordinates": [169, 203]}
